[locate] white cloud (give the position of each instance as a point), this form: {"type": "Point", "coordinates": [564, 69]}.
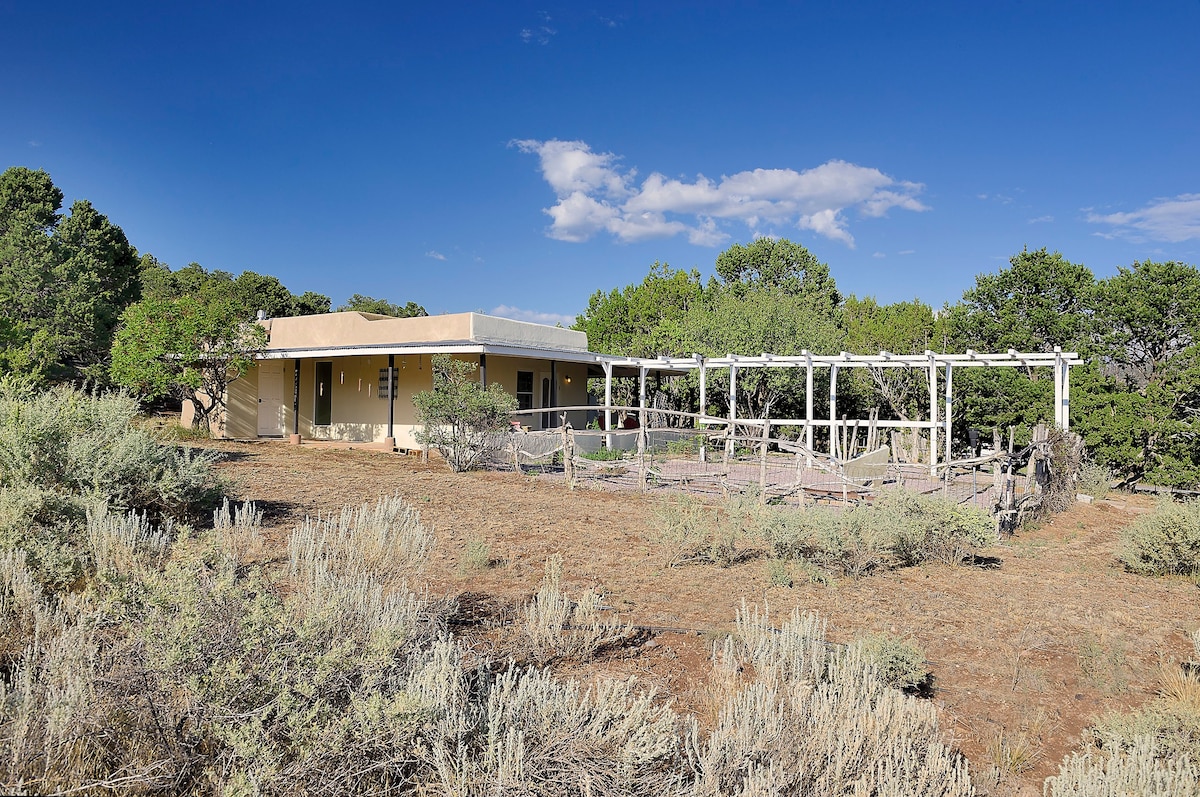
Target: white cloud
{"type": "Point", "coordinates": [1172, 220]}
{"type": "Point", "coordinates": [879, 255]}
{"type": "Point", "coordinates": [34, 143]}
{"type": "Point", "coordinates": [533, 316]}
{"type": "Point", "coordinates": [542, 34]}
{"type": "Point", "coordinates": [907, 252]}
{"type": "Point", "coordinates": [435, 255]}
{"type": "Point", "coordinates": [1041, 220]}
{"type": "Point", "coordinates": [595, 194]}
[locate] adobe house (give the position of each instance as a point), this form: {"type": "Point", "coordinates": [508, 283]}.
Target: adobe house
{"type": "Point", "coordinates": [325, 377]}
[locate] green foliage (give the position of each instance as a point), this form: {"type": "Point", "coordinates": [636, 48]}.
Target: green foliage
{"type": "Point", "coordinates": [64, 452]}
{"type": "Point", "coordinates": [463, 420]}
{"type": "Point", "coordinates": [691, 531]}
{"type": "Point", "coordinates": [898, 529]}
{"type": "Point", "coordinates": [779, 265]}
{"type": "Point", "coordinates": [369, 304]}
{"type": "Point", "coordinates": [900, 328]}
{"type": "Point", "coordinates": [249, 293]}
{"type": "Point", "coordinates": [477, 555]}
{"type": "Point", "coordinates": [900, 662]}
{"type": "Point", "coordinates": [187, 348]}
{"type": "Point", "coordinates": [63, 281]}
{"type": "Point", "coordinates": [605, 454]}
{"type": "Point", "coordinates": [1164, 542]}
{"type": "Point", "coordinates": [1040, 301]}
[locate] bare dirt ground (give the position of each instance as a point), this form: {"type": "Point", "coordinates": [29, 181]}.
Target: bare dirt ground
{"type": "Point", "coordinates": [1025, 653]}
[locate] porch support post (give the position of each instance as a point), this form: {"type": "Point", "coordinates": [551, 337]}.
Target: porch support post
{"type": "Point", "coordinates": [949, 409]}
{"type": "Point", "coordinates": [642, 396]}
{"type": "Point", "coordinates": [390, 442]}
{"type": "Point", "coordinates": [933, 414]}
{"type": "Point", "coordinates": [833, 438]}
{"type": "Point", "coordinates": [483, 371]}
{"type": "Point", "coordinates": [808, 406]}
{"type": "Point", "coordinates": [608, 438]}
{"type": "Point", "coordinates": [553, 392]}
{"type": "Point", "coordinates": [296, 403]}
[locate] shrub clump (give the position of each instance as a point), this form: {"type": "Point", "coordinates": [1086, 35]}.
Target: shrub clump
{"type": "Point", "coordinates": [898, 529]}
{"type": "Point", "coordinates": [1164, 542]}
{"type": "Point", "coordinates": [899, 662]}
{"type": "Point", "coordinates": [459, 417]}
{"type": "Point", "coordinates": [64, 451]}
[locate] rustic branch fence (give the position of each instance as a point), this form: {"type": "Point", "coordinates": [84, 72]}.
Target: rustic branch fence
{"type": "Point", "coordinates": [719, 457]}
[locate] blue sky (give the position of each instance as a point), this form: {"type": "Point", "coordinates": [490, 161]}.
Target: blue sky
{"type": "Point", "coordinates": [516, 157]}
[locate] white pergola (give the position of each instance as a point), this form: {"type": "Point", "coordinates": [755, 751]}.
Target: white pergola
{"type": "Point", "coordinates": [930, 362]}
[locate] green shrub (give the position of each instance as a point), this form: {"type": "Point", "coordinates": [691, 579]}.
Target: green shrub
{"type": "Point", "coordinates": [899, 528]}
{"type": "Point", "coordinates": [64, 452]}
{"type": "Point", "coordinates": [605, 455]}
{"type": "Point", "coordinates": [459, 417]}
{"type": "Point", "coordinates": [1095, 480]}
{"type": "Point", "coordinates": [931, 528]}
{"type": "Point", "coordinates": [692, 531]}
{"type": "Point", "coordinates": [1164, 542]}
{"type": "Point", "coordinates": [477, 555]}
{"type": "Point", "coordinates": [899, 662]}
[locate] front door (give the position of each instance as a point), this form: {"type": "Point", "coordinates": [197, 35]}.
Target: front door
{"type": "Point", "coordinates": [323, 398]}
{"type": "Point", "coordinates": [271, 386]}
{"type": "Point", "coordinates": [547, 417]}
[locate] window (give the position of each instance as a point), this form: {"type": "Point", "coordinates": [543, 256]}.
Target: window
{"type": "Point", "coordinates": [524, 390]}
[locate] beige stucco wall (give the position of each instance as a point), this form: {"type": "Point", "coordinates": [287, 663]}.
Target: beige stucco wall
{"type": "Point", "coordinates": [357, 414]}
{"type": "Point", "coordinates": [241, 422]}
{"type": "Point", "coordinates": [503, 371]}
{"type": "Point", "coordinates": [490, 329]}
{"type": "Point", "coordinates": [365, 329]}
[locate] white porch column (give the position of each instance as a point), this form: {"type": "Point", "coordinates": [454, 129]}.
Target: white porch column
{"type": "Point", "coordinates": [833, 438]}
{"type": "Point", "coordinates": [608, 438]}
{"type": "Point", "coordinates": [703, 385]}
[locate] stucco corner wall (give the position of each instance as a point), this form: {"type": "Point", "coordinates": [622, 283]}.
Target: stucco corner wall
{"type": "Point", "coordinates": [490, 329]}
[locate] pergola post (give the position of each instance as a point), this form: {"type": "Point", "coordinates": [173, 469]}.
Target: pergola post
{"type": "Point", "coordinates": [1066, 396]}
{"type": "Point", "coordinates": [933, 414]}
{"type": "Point", "coordinates": [949, 409]}
{"type": "Point", "coordinates": [1058, 387]}
{"type": "Point", "coordinates": [732, 408]}
{"type": "Point", "coordinates": [833, 438]}
{"type": "Point", "coordinates": [703, 405]}
{"type": "Point", "coordinates": [608, 437]}
{"type": "Point", "coordinates": [808, 406]}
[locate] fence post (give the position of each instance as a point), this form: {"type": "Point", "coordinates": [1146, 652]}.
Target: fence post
{"type": "Point", "coordinates": [762, 461]}
{"type": "Point", "coordinates": [568, 453]}
{"type": "Point", "coordinates": [641, 448]}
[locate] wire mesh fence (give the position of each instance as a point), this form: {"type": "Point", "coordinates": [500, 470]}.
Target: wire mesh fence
{"type": "Point", "coordinates": [753, 456]}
